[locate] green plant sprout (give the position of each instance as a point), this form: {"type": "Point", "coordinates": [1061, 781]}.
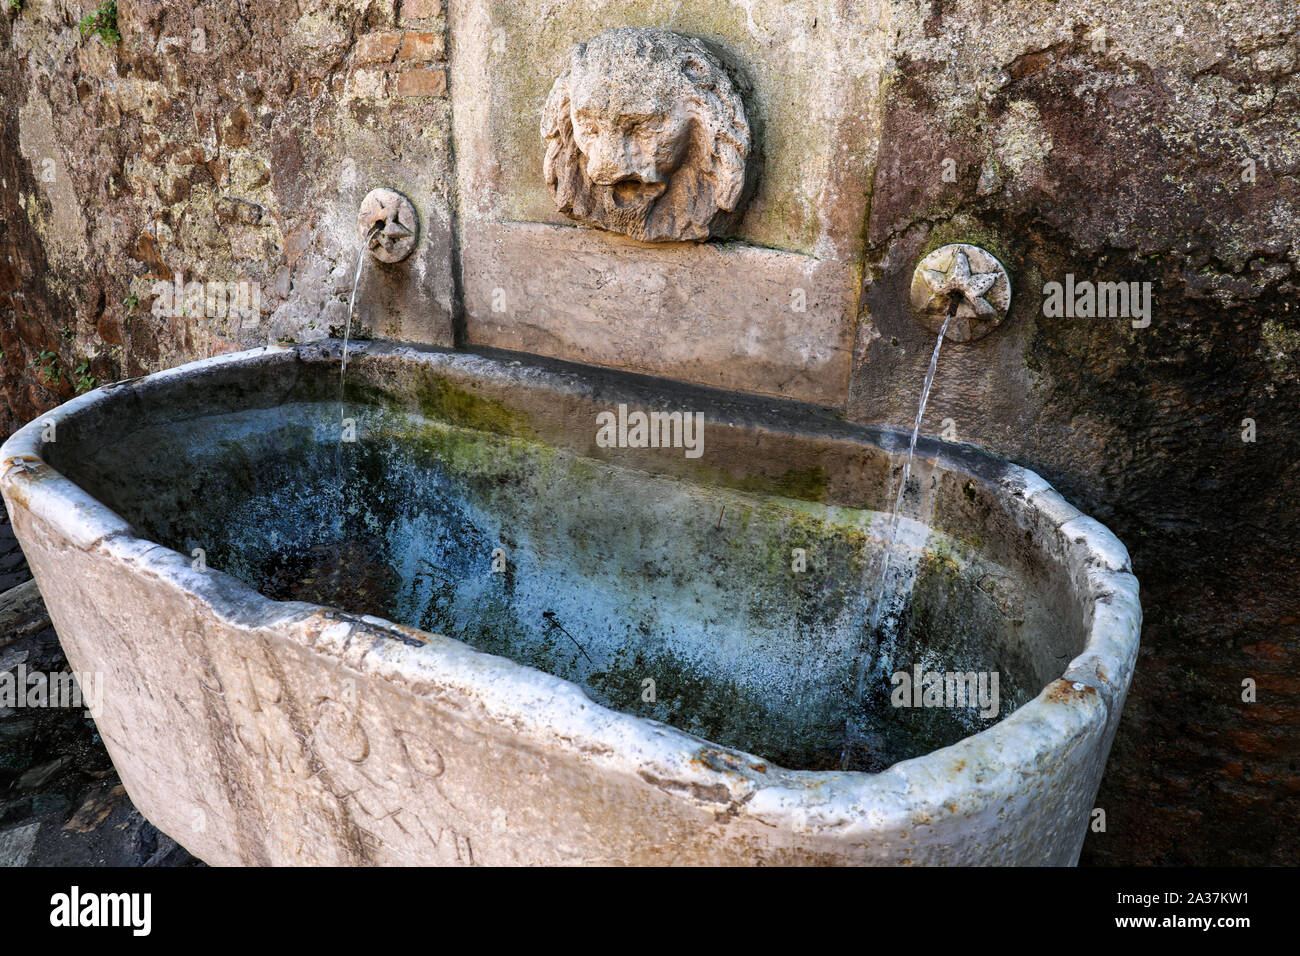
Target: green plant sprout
{"type": "Point", "coordinates": [47, 366]}
{"type": "Point", "coordinates": [102, 22]}
{"type": "Point", "coordinates": [85, 381]}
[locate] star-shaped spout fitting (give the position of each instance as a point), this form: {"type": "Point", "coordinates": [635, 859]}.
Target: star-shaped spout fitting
{"type": "Point", "coordinates": [963, 281]}
{"type": "Point", "coordinates": [387, 225]}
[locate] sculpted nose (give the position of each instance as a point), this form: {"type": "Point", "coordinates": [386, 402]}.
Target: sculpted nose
{"type": "Point", "coordinates": [609, 163]}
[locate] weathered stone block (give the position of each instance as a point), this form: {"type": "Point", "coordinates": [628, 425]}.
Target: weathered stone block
{"type": "Point", "coordinates": [809, 79]}
{"type": "Point", "coordinates": [422, 82]}
{"type": "Point", "coordinates": [378, 47]}
{"type": "Point", "coordinates": [369, 84]}
{"type": "Point", "coordinates": [723, 315]}
{"type": "Point", "coordinates": [421, 46]}
{"type": "Point", "coordinates": [420, 9]}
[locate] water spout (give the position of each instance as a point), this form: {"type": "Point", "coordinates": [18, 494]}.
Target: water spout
{"type": "Point", "coordinates": [352, 301]}
{"type": "Point", "coordinates": [398, 226]}
{"type": "Point", "coordinates": [389, 231]}
{"type": "Point", "coordinates": [878, 645]}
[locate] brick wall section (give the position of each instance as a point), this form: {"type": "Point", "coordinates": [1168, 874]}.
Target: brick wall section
{"type": "Point", "coordinates": [32, 316]}
{"type": "Point", "coordinates": [411, 61]}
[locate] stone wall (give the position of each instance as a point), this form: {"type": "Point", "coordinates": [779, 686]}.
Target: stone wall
{"type": "Point", "coordinates": [1151, 142]}
{"type": "Point", "coordinates": [809, 74]}
{"type": "Point", "coordinates": [226, 143]}
{"type": "Point", "coordinates": [1163, 148]}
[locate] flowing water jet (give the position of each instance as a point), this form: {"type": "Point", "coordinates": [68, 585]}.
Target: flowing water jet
{"type": "Point", "coordinates": [352, 301]}
{"type": "Point", "coordinates": [964, 292]}
{"type": "Point", "coordinates": [389, 231]}
{"type": "Point", "coordinates": [882, 627]}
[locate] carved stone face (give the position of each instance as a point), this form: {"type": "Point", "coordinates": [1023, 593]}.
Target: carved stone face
{"type": "Point", "coordinates": [646, 136]}
{"type": "Point", "coordinates": [625, 142]}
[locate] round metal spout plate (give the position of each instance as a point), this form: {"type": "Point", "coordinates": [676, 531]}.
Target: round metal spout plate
{"type": "Point", "coordinates": [964, 279]}
{"type": "Point", "coordinates": [388, 225]}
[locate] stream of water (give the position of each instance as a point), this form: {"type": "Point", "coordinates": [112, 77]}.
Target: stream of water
{"type": "Point", "coordinates": [883, 621]}
{"type": "Point", "coordinates": [343, 366]}
{"type": "Point", "coordinates": [352, 305]}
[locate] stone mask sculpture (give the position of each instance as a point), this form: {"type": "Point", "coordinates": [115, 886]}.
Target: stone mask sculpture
{"type": "Point", "coordinates": [646, 135]}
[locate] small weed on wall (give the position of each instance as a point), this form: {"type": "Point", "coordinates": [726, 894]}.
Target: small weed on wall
{"type": "Point", "coordinates": [102, 22]}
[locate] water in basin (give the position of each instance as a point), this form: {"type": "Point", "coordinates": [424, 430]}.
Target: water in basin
{"type": "Point", "coordinates": [661, 597]}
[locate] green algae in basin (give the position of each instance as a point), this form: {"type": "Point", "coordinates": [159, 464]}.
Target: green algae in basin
{"type": "Point", "coordinates": [731, 614]}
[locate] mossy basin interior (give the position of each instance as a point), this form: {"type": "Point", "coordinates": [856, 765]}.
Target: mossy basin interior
{"type": "Point", "coordinates": [726, 595]}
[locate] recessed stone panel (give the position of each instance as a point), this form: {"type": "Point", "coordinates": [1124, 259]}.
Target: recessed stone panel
{"type": "Point", "coordinates": [726, 315]}
{"type": "Point", "coordinates": [720, 314]}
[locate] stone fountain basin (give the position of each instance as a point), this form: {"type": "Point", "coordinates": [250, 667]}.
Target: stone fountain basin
{"type": "Point", "coordinates": [256, 730]}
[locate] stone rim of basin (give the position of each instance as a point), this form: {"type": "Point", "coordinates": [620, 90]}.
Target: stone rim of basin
{"type": "Point", "coordinates": [974, 776]}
